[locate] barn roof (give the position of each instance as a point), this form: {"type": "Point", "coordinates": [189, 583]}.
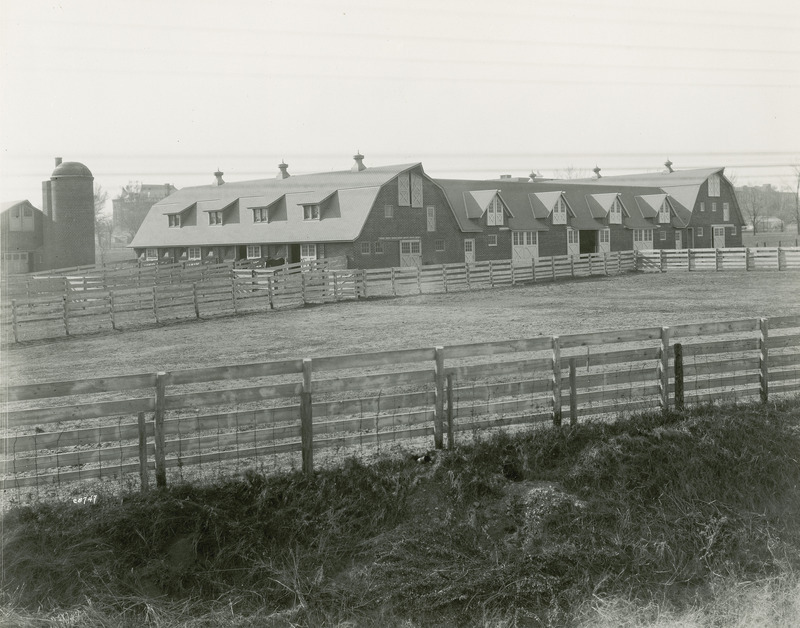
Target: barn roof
{"type": "Point", "coordinates": [347, 196]}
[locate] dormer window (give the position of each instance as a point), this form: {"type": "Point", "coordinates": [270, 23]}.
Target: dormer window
{"type": "Point", "coordinates": [174, 220]}
{"type": "Point", "coordinates": [260, 214]}
{"type": "Point", "coordinates": [663, 213]}
{"type": "Point", "coordinates": [560, 212]}
{"type": "Point", "coordinates": [215, 218]}
{"type": "Point", "coordinates": [494, 213]}
{"type": "Point", "coordinates": [310, 212]}
{"type": "Point", "coordinates": [615, 213]}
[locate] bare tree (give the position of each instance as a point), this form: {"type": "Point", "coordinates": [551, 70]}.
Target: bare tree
{"type": "Point", "coordinates": [102, 221]}
{"type": "Point", "coordinates": [751, 203]}
{"type": "Point", "coordinates": [571, 172]}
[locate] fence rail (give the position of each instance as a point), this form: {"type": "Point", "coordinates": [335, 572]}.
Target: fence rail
{"type": "Point", "coordinates": [288, 412]}
{"type": "Point", "coordinates": [765, 258]}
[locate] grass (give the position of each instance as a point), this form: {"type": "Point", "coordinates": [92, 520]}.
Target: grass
{"type": "Point", "coordinates": [653, 518]}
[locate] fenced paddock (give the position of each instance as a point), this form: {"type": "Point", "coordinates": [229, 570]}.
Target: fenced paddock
{"type": "Point", "coordinates": [766, 258]}
{"type": "Point", "coordinates": [128, 431]}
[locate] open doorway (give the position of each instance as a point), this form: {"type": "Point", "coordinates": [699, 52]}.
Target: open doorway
{"type": "Point", "coordinates": [588, 242]}
{"type": "Point", "coordinates": [294, 254]}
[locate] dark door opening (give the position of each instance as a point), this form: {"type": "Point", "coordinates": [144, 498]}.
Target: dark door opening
{"type": "Point", "coordinates": [241, 253]}
{"type": "Point", "coordinates": [294, 254]}
{"type": "Point", "coordinates": [588, 242]}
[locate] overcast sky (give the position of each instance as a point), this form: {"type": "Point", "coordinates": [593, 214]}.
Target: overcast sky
{"type": "Point", "coordinates": [169, 91]}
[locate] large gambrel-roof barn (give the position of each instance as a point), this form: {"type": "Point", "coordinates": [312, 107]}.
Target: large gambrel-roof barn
{"type": "Point", "coordinates": [368, 217]}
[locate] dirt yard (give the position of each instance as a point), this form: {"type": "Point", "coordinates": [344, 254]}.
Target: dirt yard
{"type": "Point", "coordinates": [625, 302]}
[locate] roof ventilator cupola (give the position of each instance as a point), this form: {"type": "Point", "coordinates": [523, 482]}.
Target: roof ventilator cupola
{"type": "Point", "coordinates": [218, 180]}
{"type": "Point", "coordinates": [533, 175]}
{"type": "Point", "coordinates": [283, 167]}
{"type": "Point", "coordinates": [359, 165]}
{"type": "Point", "coordinates": [668, 164]}
{"type": "Point", "coordinates": [597, 171]}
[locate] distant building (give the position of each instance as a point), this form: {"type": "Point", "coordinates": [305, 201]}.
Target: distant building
{"type": "Point", "coordinates": [61, 234]}
{"type": "Point", "coordinates": [133, 203]}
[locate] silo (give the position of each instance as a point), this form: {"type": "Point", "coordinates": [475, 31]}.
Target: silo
{"type": "Point", "coordinates": [69, 201]}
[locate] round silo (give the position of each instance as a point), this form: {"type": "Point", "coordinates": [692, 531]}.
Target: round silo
{"type": "Point", "coordinates": [72, 214]}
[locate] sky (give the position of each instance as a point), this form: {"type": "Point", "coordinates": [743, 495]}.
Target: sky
{"type": "Point", "coordinates": [167, 92]}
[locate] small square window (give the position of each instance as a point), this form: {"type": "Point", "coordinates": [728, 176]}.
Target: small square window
{"type": "Point", "coordinates": [194, 253]}
{"type": "Point", "coordinates": [663, 235]}
{"type": "Point", "coordinates": [388, 211]}
{"type": "Point", "coordinates": [310, 212]}
{"type": "Point", "coordinates": [699, 232]}
{"type": "Point", "coordinates": [214, 218]}
{"type": "Point", "coordinates": [702, 206]}
{"type": "Point", "coordinates": [260, 214]}
{"type": "Point", "coordinates": [151, 253]}
{"type": "Point", "coordinates": [378, 248]}
{"type": "Point", "coordinates": [713, 207]}
{"type": "Point", "coordinates": [491, 239]}
{"type": "Point", "coordinates": [365, 248]}
{"type": "Point", "coordinates": [253, 251]}
{"type": "Point", "coordinates": [733, 230]}
{"type": "Point", "coordinates": [439, 246]}
{"type": "Point", "coordinates": [174, 220]}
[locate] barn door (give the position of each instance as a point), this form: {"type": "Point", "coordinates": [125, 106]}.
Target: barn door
{"type": "Point", "coordinates": [469, 250]}
{"type": "Point", "coordinates": [411, 253]}
{"type": "Point", "coordinates": [573, 242]}
{"type": "Point", "coordinates": [678, 240]}
{"type": "Point", "coordinates": [604, 241]}
{"type": "Point", "coordinates": [719, 237]}
{"type": "Point", "coordinates": [524, 247]}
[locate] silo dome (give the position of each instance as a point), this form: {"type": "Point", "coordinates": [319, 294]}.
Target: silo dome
{"type": "Point", "coordinates": [71, 169]}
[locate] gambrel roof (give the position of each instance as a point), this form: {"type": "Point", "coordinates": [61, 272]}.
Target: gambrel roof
{"type": "Point", "coordinates": [348, 197]}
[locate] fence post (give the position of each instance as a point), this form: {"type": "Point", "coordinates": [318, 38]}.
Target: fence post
{"type": "Point", "coordinates": [270, 279]}
{"type": "Point", "coordinates": [663, 370]}
{"type": "Point", "coordinates": [158, 425]}
{"type": "Point", "coordinates": [763, 345]}
{"type": "Point", "coordinates": [556, 381]}
{"type": "Point", "coordinates": [444, 277]}
{"type": "Point", "coordinates": [155, 304]}
{"type": "Point", "coordinates": [718, 259]}
{"type": "Point", "coordinates": [690, 258]}
{"type": "Point", "coordinates": [553, 266]}
{"type": "Point", "coordinates": [394, 288]}
{"type": "Point", "coordinates": [781, 254]}
{"type": "Point", "coordinates": [513, 275]}
{"type": "Point", "coordinates": [194, 300]}
{"type": "Point", "coordinates": [66, 315]}
{"type": "Point", "coordinates": [747, 258]}
{"type": "Point", "coordinates": [619, 263]}
{"type": "Point", "coordinates": [112, 305]}
{"type": "Point", "coordinates": [573, 393]}
{"type": "Point", "coordinates": [303, 286]}
{"type": "Point", "coordinates": [306, 420]}
{"type": "Point", "coordinates": [144, 482]}
{"type": "Point", "coordinates": [335, 286]}
{"type": "Point", "coordinates": [14, 319]}
{"type": "Point", "coordinates": [233, 293]}
{"type": "Point", "coordinates": [533, 269]}
{"type": "Point", "coordinates": [450, 441]}
{"type": "Point", "coordinates": [678, 365]}
{"type": "Point", "coordinates": [467, 275]}
{"type": "Point", "coordinates": [491, 274]}
{"type": "Point", "coordinates": [438, 419]}
{"type": "Point", "coordinates": [419, 279]}
{"type": "Point", "coordinates": [572, 265]}
{"type": "Point", "coordinates": [605, 264]}
{"type": "Point", "coordinates": [663, 261]}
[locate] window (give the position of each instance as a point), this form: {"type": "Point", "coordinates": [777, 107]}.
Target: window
{"type": "Point", "coordinates": [702, 206]}
{"type": "Point", "coordinates": [713, 185]}
{"type": "Point", "coordinates": [194, 253]}
{"type": "Point", "coordinates": [308, 251]}
{"type": "Point", "coordinates": [642, 235]}
{"type": "Point", "coordinates": [253, 251]}
{"type": "Point", "coordinates": [733, 230]}
{"type": "Point", "coordinates": [366, 248]}
{"type": "Point", "coordinates": [726, 211]}
{"type": "Point", "coordinates": [662, 235]}
{"type": "Point", "coordinates": [410, 247]}
{"type": "Point", "coordinates": [174, 220]}
{"type": "Point", "coordinates": [388, 211]}
{"type": "Point", "coordinates": [560, 212]}
{"type": "Point", "coordinates": [523, 238]}
{"type": "Point", "coordinates": [310, 212]}
{"type": "Point", "coordinates": [439, 246]}
{"type": "Point", "coordinates": [663, 213]}
{"type": "Point", "coordinates": [431, 218]}
{"type": "Point", "coordinates": [491, 239]}
{"type": "Point", "coordinates": [572, 236]}
{"type": "Point", "coordinates": [615, 213]}
{"type": "Point", "coordinates": [699, 232]}
{"type": "Point", "coordinates": [151, 253]}
{"type": "Point", "coordinates": [214, 218]}
{"type": "Point", "coordinates": [494, 212]}
{"type": "Point", "coordinates": [260, 214]}
{"type": "Point", "coordinates": [605, 236]}
{"type": "Point", "coordinates": [378, 248]}
{"type": "Point", "coordinates": [713, 207]}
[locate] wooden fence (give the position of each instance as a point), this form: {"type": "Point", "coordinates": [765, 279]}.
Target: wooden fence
{"type": "Point", "coordinates": [48, 306]}
{"type": "Point", "coordinates": [187, 424]}
{"type": "Point", "coordinates": [767, 258]}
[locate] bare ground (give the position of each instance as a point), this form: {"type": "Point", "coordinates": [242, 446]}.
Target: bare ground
{"type": "Point", "coordinates": [625, 302]}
